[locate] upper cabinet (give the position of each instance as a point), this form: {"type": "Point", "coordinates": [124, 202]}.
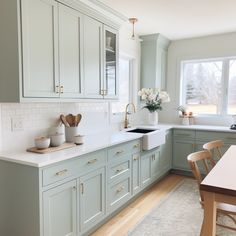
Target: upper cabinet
{"type": "Point", "coordinates": [100, 60]}
{"type": "Point", "coordinates": [54, 52]}
{"type": "Point", "coordinates": [154, 50]}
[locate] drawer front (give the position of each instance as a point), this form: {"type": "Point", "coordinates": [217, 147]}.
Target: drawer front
{"type": "Point", "coordinates": [123, 149]}
{"type": "Point", "coordinates": [67, 169]}
{"type": "Point", "coordinates": [184, 133]}
{"type": "Point", "coordinates": [119, 193]}
{"type": "Point", "coordinates": [210, 136]}
{"type": "Point", "coordinates": [118, 170]}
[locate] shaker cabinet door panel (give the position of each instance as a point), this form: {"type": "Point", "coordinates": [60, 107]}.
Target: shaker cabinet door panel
{"type": "Point", "coordinates": [92, 198]}
{"type": "Point", "coordinates": [92, 58]}
{"type": "Point", "coordinates": [70, 28]}
{"type": "Point", "coordinates": [40, 48]}
{"type": "Point", "coordinates": [59, 210]}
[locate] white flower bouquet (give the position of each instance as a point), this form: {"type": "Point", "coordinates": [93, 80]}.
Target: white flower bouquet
{"type": "Point", "coordinates": [153, 98]}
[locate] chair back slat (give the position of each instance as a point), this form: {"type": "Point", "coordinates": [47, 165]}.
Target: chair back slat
{"type": "Point", "coordinates": [214, 147]}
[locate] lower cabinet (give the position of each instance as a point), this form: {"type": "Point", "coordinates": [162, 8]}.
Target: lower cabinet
{"type": "Point", "coordinates": [92, 198]}
{"type": "Point", "coordinates": [150, 166]}
{"type": "Point", "coordinates": [60, 210]}
{"type": "Point", "coordinates": [136, 178]}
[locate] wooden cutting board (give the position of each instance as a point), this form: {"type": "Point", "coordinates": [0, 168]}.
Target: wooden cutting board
{"type": "Point", "coordinates": [51, 149]}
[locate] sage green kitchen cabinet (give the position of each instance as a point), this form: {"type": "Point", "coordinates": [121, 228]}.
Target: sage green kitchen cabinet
{"type": "Point", "coordinates": [70, 52]}
{"type": "Point", "coordinates": [154, 48]}
{"type": "Point", "coordinates": [155, 164]}
{"type": "Point", "coordinates": [92, 198]}
{"type": "Point", "coordinates": [136, 178]}
{"type": "Point", "coordinates": [166, 153]}
{"type": "Point", "coordinates": [40, 48]}
{"type": "Point", "coordinates": [60, 210]}
{"type": "Point", "coordinates": [146, 169]}
{"type": "Point", "coordinates": [93, 58]}
{"type": "Point", "coordinates": [100, 60]}
{"type": "Point", "coordinates": [110, 83]}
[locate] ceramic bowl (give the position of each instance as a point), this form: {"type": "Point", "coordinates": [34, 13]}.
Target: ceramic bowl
{"type": "Point", "coordinates": [79, 139]}
{"type": "Point", "coordinates": [57, 139]}
{"type": "Point", "coordinates": [42, 142]}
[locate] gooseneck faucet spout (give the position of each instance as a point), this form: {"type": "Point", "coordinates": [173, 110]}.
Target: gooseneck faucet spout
{"type": "Point", "coordinates": [126, 125]}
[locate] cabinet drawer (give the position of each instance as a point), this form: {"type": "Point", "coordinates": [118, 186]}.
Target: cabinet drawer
{"type": "Point", "coordinates": [123, 149]}
{"type": "Point", "coordinates": [119, 170]}
{"type": "Point", "coordinates": [183, 133]}
{"type": "Point", "coordinates": [210, 136]}
{"type": "Point", "coordinates": [67, 169]}
{"type": "Point", "coordinates": [119, 193]}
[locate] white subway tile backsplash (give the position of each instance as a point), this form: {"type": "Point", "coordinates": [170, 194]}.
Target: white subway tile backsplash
{"type": "Point", "coordinates": [37, 118]}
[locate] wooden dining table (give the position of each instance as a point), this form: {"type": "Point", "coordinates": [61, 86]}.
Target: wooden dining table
{"type": "Point", "coordinates": [218, 186]}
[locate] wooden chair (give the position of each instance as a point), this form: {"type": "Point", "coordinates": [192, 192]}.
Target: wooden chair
{"type": "Point", "coordinates": [205, 156]}
{"type": "Point", "coordinates": [214, 147]}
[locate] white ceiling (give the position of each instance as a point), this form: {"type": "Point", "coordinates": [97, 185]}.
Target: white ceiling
{"type": "Point", "coordinates": [177, 19]}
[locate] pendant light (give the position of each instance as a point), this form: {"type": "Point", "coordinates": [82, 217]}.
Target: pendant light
{"type": "Point", "coordinates": [133, 21]}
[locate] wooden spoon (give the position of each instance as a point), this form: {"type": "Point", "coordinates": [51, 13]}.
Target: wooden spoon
{"type": "Point", "coordinates": [70, 120]}
{"type": "Point", "coordinates": [63, 120]}
{"type": "Point", "coordinates": [78, 119]}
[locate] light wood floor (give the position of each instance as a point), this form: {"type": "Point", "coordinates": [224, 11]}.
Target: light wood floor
{"type": "Point", "coordinates": [120, 224]}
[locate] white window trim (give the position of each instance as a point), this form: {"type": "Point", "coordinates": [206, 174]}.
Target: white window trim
{"type": "Point", "coordinates": [119, 116]}
{"type": "Point", "coordinates": [225, 81]}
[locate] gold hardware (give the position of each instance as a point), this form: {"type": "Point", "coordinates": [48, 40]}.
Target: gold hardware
{"type": "Point", "coordinates": [92, 161]}
{"type": "Point", "coordinates": [135, 158]}
{"type": "Point", "coordinates": [126, 124]}
{"type": "Point", "coordinates": [119, 152]}
{"type": "Point", "coordinates": [62, 172]}
{"type": "Point", "coordinates": [57, 89]}
{"type": "Point", "coordinates": [133, 21]}
{"type": "Point", "coordinates": [121, 188]}
{"type": "Point", "coordinates": [62, 89]}
{"type": "Point", "coordinates": [102, 92]}
{"type": "Point", "coordinates": [82, 188]}
{"type": "Point", "coordinates": [136, 146]}
{"type": "Point", "coordinates": [119, 170]}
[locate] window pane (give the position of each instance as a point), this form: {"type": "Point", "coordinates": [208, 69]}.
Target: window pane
{"type": "Point", "coordinates": [203, 86]}
{"type": "Point", "coordinates": [124, 86]}
{"type": "Point", "coordinates": [232, 88]}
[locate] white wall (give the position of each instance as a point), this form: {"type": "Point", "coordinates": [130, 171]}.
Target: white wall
{"type": "Point", "coordinates": [195, 48]}
{"type": "Point", "coordinates": [38, 117]}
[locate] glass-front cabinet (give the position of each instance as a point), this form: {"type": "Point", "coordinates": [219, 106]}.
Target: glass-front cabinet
{"type": "Point", "coordinates": [110, 82]}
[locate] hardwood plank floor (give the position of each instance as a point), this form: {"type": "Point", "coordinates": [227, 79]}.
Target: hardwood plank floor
{"type": "Point", "coordinates": [120, 224]}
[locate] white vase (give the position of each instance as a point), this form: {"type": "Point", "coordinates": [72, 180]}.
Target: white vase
{"type": "Point", "coordinates": [153, 118]}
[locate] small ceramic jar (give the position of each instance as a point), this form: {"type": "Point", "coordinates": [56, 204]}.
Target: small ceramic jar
{"type": "Point", "coordinates": [79, 139]}
{"type": "Point", "coordinates": [42, 142]}
{"type": "Point", "coordinates": [57, 139]}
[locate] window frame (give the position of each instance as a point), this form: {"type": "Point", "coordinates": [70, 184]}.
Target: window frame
{"type": "Point", "coordinates": [225, 82]}
{"type": "Point", "coordinates": [119, 116]}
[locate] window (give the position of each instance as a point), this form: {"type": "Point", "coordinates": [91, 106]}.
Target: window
{"type": "Point", "coordinates": [209, 86]}
{"type": "Point", "coordinates": [125, 79]}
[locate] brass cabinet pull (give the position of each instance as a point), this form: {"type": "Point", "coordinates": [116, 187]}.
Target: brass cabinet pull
{"type": "Point", "coordinates": [92, 161]}
{"type": "Point", "coordinates": [62, 89]}
{"type": "Point", "coordinates": [57, 89]}
{"type": "Point", "coordinates": [119, 152]}
{"type": "Point", "coordinates": [135, 158]}
{"type": "Point", "coordinates": [119, 170]}
{"type": "Point", "coordinates": [62, 172]}
{"type": "Point", "coordinates": [82, 188]}
{"type": "Point", "coordinates": [121, 188]}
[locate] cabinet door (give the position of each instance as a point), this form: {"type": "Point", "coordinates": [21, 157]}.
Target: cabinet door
{"type": "Point", "coordinates": [40, 48]}
{"type": "Point", "coordinates": [111, 57]}
{"type": "Point", "coordinates": [155, 164]}
{"type": "Point", "coordinates": [146, 173]}
{"type": "Point", "coordinates": [182, 148]}
{"type": "Point", "coordinates": [92, 198]}
{"type": "Point", "coordinates": [93, 62]}
{"type": "Point", "coordinates": [70, 31]}
{"type": "Point", "coordinates": [59, 210]}
{"type": "Point", "coordinates": [166, 154]}
{"type": "Point", "coordinates": [136, 183]}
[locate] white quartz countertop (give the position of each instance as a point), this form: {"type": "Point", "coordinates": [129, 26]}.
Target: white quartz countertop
{"type": "Point", "coordinates": [93, 143]}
